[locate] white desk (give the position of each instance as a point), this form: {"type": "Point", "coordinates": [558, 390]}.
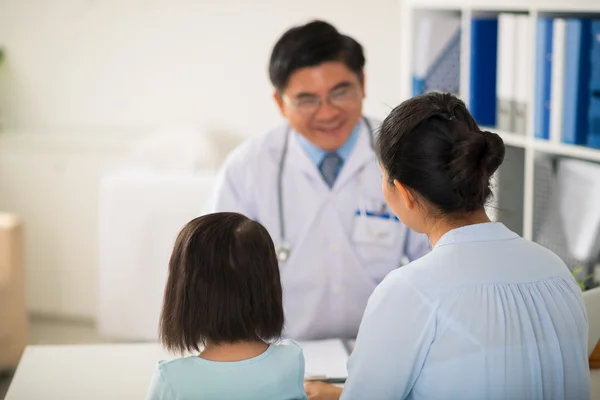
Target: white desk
{"type": "Point", "coordinates": [120, 371]}
{"type": "Point", "coordinates": [85, 372]}
{"type": "Point", "coordinates": [111, 371]}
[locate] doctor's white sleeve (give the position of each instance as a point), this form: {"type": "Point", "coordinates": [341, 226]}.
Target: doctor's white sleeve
{"type": "Point", "coordinates": [394, 338]}
{"type": "Point", "coordinates": [228, 195]}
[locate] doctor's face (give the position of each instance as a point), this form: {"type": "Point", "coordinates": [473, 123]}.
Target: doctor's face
{"type": "Point", "coordinates": [323, 103]}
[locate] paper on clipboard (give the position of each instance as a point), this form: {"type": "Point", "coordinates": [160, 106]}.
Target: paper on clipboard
{"type": "Point", "coordinates": [325, 359]}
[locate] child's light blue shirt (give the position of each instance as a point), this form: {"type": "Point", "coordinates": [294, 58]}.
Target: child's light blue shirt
{"type": "Point", "coordinates": [276, 374]}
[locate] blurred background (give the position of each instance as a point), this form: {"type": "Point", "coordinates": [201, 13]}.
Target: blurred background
{"type": "Point", "coordinates": [89, 89]}
{"type": "Point", "coordinates": [83, 83]}
{"type": "Point", "coordinates": [115, 116]}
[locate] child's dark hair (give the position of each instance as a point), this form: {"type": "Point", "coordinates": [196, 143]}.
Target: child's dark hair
{"type": "Point", "coordinates": [223, 285]}
{"type": "Point", "coordinates": [432, 145]}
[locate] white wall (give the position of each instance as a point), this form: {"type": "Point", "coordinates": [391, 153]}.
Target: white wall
{"type": "Point", "coordinates": [83, 79]}
{"type": "Point", "coordinates": [132, 64]}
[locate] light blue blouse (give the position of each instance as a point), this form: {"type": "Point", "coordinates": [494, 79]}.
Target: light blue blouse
{"type": "Point", "coordinates": [485, 315]}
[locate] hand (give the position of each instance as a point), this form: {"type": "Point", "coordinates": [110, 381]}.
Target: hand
{"type": "Point", "coordinates": [322, 391]}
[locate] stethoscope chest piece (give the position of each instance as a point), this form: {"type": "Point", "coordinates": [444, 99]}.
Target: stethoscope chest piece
{"type": "Point", "coordinates": [283, 252]}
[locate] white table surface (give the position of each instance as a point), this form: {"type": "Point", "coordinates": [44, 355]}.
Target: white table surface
{"type": "Point", "coordinates": [122, 371]}
{"type": "Point", "coordinates": [91, 372]}
{"type": "Point", "coordinates": [104, 371]}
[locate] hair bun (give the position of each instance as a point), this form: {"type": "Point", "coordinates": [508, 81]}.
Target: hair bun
{"type": "Point", "coordinates": [474, 159]}
{"type": "Point", "coordinates": [432, 144]}
{"type": "Point", "coordinates": [494, 154]}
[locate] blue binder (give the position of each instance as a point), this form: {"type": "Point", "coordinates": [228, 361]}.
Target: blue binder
{"type": "Point", "coordinates": [482, 93]}
{"type": "Point", "coordinates": [593, 137]}
{"type": "Point", "coordinates": [595, 69]}
{"type": "Point", "coordinates": [418, 85]}
{"type": "Point", "coordinates": [578, 52]}
{"type": "Point", "coordinates": [543, 77]}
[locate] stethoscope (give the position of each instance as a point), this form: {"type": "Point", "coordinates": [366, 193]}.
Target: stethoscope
{"type": "Point", "coordinates": [285, 248]}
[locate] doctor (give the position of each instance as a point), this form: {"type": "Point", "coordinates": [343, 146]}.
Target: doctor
{"type": "Point", "coordinates": [314, 182]}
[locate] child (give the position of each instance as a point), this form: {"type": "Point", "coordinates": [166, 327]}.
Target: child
{"type": "Point", "coordinates": [223, 300]}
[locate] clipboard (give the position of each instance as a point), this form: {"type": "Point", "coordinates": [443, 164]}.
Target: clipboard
{"type": "Point", "coordinates": [325, 360]}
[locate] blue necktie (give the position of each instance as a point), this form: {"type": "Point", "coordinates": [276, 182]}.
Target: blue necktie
{"type": "Point", "coordinates": [330, 167]}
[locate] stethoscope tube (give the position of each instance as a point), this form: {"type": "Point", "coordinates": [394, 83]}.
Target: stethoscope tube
{"type": "Point", "coordinates": [284, 249]}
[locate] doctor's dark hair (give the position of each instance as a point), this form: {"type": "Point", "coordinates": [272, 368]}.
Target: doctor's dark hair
{"type": "Point", "coordinates": [432, 145]}
{"type": "Point", "coordinates": [223, 285]}
{"type": "Point", "coordinates": [310, 45]}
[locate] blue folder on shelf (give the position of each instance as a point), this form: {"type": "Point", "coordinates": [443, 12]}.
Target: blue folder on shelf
{"type": "Point", "coordinates": [593, 137]}
{"type": "Point", "coordinates": [482, 93]}
{"type": "Point", "coordinates": [577, 92]}
{"type": "Point", "coordinates": [543, 77]}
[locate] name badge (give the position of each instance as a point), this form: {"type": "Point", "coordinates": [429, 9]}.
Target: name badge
{"type": "Point", "coordinates": [375, 228]}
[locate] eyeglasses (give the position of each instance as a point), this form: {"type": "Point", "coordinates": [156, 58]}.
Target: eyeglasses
{"type": "Point", "coordinates": [340, 97]}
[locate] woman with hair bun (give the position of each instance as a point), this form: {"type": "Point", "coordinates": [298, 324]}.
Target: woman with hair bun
{"type": "Point", "coordinates": [486, 314]}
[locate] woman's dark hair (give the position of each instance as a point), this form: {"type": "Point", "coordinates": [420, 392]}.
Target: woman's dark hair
{"type": "Point", "coordinates": [310, 45]}
{"type": "Point", "coordinates": [432, 145]}
{"type": "Point", "coordinates": [223, 285]}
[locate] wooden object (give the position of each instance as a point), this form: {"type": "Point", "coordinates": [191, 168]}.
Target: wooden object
{"type": "Point", "coordinates": [595, 357]}
{"type": "Point", "coordinates": [14, 323]}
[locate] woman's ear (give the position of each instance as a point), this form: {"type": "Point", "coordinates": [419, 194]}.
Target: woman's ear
{"type": "Point", "coordinates": [407, 196]}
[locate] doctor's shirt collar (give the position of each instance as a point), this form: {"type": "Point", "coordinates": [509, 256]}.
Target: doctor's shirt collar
{"type": "Point", "coordinates": [317, 154]}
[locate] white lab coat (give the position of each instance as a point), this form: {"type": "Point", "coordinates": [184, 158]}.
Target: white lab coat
{"type": "Point", "coordinates": [332, 270]}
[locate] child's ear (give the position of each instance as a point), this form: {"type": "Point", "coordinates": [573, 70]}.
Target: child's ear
{"type": "Point", "coordinates": [407, 196]}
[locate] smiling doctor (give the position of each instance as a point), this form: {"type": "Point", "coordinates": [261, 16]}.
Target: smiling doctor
{"type": "Point", "coordinates": [314, 182]}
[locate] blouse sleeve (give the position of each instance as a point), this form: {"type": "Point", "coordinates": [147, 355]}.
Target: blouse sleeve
{"type": "Point", "coordinates": [395, 334]}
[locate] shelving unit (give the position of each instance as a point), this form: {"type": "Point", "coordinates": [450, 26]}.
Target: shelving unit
{"type": "Point", "coordinates": [529, 145]}
{"type": "Point", "coordinates": [545, 146]}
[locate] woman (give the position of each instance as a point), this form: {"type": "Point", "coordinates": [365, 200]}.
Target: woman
{"type": "Point", "coordinates": [487, 314]}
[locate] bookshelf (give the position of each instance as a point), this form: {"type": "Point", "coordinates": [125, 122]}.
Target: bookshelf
{"type": "Point", "coordinates": [545, 146]}
{"type": "Point", "coordinates": [525, 144]}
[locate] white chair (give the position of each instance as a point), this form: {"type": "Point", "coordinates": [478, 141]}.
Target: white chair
{"type": "Point", "coordinates": [142, 208]}
{"type": "Point", "coordinates": [140, 214]}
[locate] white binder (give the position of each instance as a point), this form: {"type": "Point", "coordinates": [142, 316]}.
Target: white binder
{"type": "Point", "coordinates": [559, 32]}
{"type": "Point", "coordinates": [505, 82]}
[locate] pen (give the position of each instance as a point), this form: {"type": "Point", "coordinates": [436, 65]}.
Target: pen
{"type": "Point", "coordinates": [322, 378]}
